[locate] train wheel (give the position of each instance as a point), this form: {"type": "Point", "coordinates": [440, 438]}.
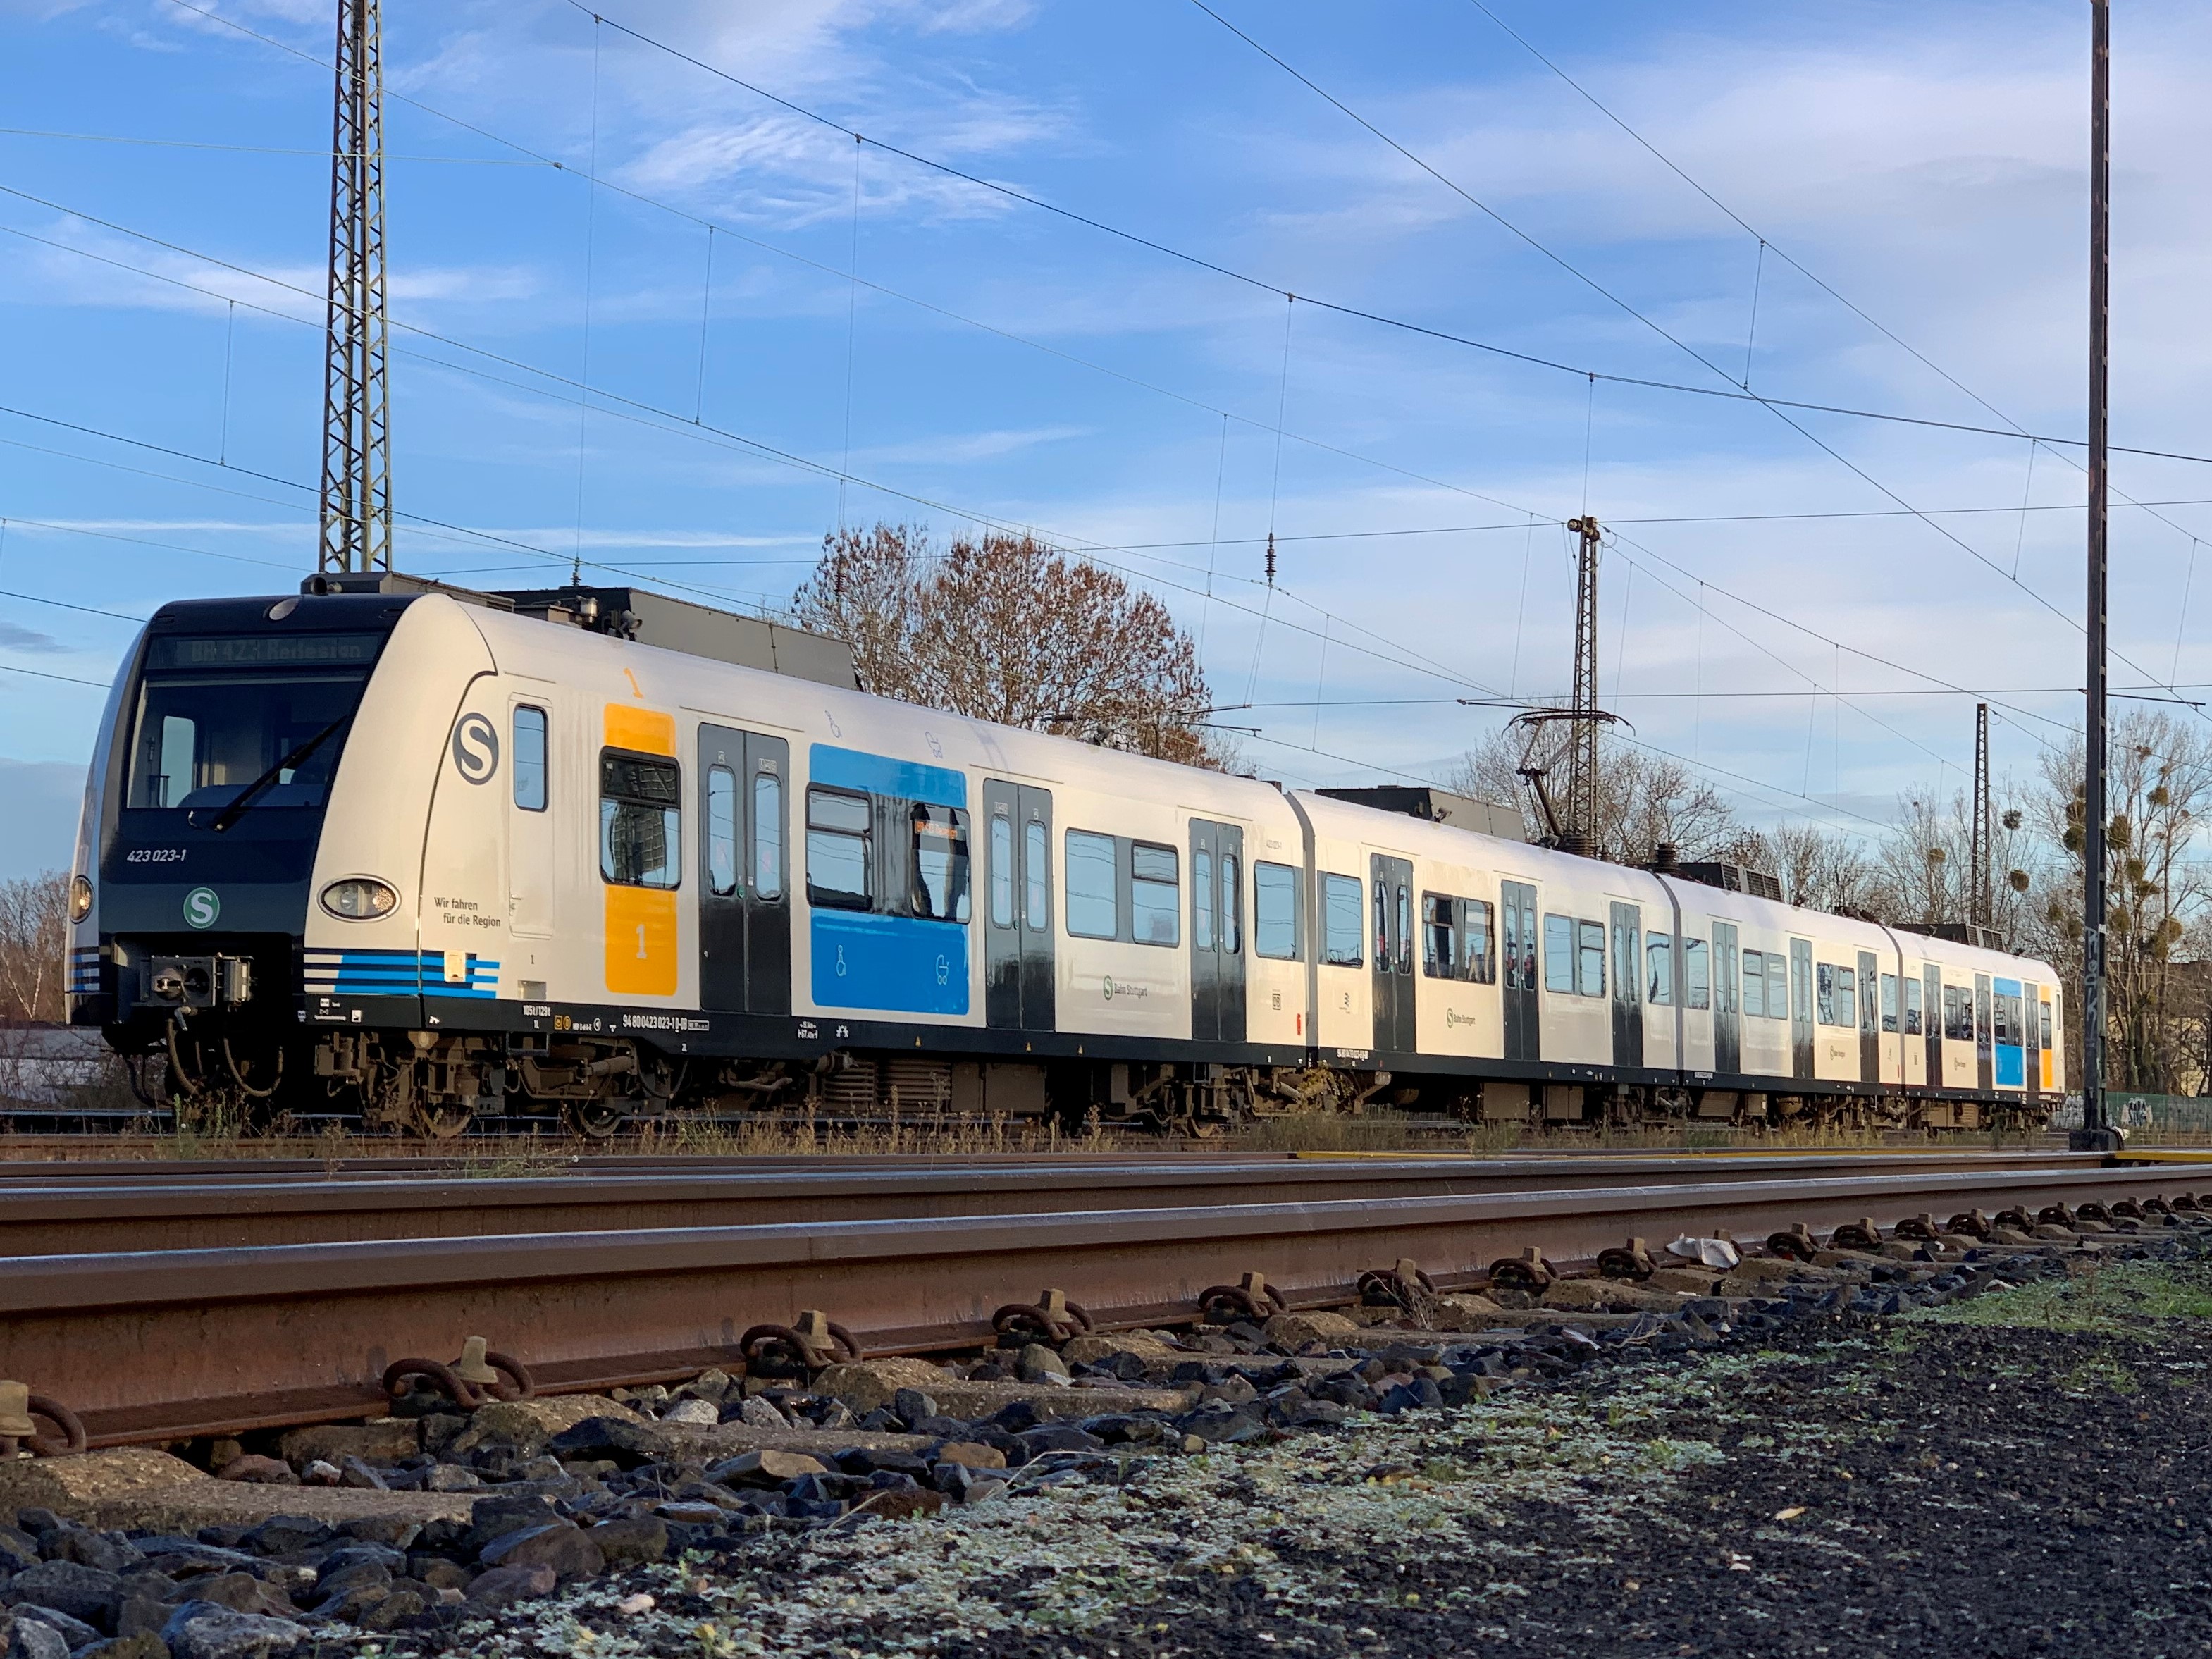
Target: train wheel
{"type": "Point", "coordinates": [438, 1122]}
{"type": "Point", "coordinates": [595, 1120]}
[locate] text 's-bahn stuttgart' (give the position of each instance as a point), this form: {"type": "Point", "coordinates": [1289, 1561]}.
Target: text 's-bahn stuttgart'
{"type": "Point", "coordinates": [418, 855]}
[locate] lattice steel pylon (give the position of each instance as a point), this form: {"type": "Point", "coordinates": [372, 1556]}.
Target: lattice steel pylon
{"type": "Point", "coordinates": [1581, 756]}
{"type": "Point", "coordinates": [1978, 899]}
{"type": "Point", "coordinates": [356, 507]}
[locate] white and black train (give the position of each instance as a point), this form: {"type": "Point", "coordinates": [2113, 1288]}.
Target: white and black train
{"type": "Point", "coordinates": [420, 856]}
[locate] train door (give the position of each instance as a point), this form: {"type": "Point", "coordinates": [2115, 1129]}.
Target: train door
{"type": "Point", "coordinates": [1392, 883]}
{"type": "Point", "coordinates": [1627, 984]}
{"type": "Point", "coordinates": [1727, 1002]}
{"type": "Point", "coordinates": [1019, 990]}
{"type": "Point", "coordinates": [1985, 1046]}
{"type": "Point", "coordinates": [2031, 1041]}
{"type": "Point", "coordinates": [745, 892]}
{"type": "Point", "coordinates": [532, 876]}
{"type": "Point", "coordinates": [2010, 1069]}
{"type": "Point", "coordinates": [1869, 1018]}
{"type": "Point", "coordinates": [1932, 1011]}
{"type": "Point", "coordinates": [1800, 1007]}
{"type": "Point", "coordinates": [1217, 932]}
{"type": "Point", "coordinates": [1518, 900]}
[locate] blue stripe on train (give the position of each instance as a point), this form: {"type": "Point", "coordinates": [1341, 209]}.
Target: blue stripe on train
{"type": "Point", "coordinates": [397, 973]}
{"type": "Point", "coordinates": [880, 775]}
{"type": "Point", "coordinates": [901, 964]}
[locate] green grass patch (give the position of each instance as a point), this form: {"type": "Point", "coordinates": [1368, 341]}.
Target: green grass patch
{"type": "Point", "coordinates": [2119, 1299]}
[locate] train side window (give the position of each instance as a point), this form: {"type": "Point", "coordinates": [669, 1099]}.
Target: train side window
{"type": "Point", "coordinates": [1754, 983]}
{"type": "Point", "coordinates": [1836, 995]}
{"type": "Point", "coordinates": [768, 835]}
{"type": "Point", "coordinates": [1037, 871]}
{"type": "Point", "coordinates": [1559, 954]}
{"type": "Point", "coordinates": [1439, 937]}
{"type": "Point", "coordinates": [1697, 975]}
{"type": "Point", "coordinates": [1232, 901]}
{"type": "Point", "coordinates": [1777, 986]}
{"type": "Point", "coordinates": [840, 837]}
{"type": "Point", "coordinates": [1090, 884]}
{"type": "Point", "coordinates": [1202, 911]}
{"type": "Point", "coordinates": [1659, 969]}
{"type": "Point", "coordinates": [2043, 1025]}
{"type": "Point", "coordinates": [940, 863]}
{"type": "Point", "coordinates": [1002, 870]}
{"type": "Point", "coordinates": [1911, 1027]}
{"type": "Point", "coordinates": [721, 831]}
{"type": "Point", "coordinates": [1341, 923]}
{"type": "Point", "coordinates": [529, 747]}
{"type": "Point", "coordinates": [1275, 911]}
{"type": "Point", "coordinates": [1958, 1014]}
{"type": "Point", "coordinates": [1474, 958]}
{"type": "Point", "coordinates": [641, 820]}
{"type": "Point", "coordinates": [1589, 959]}
{"type": "Point", "coordinates": [1889, 1002]}
{"type": "Point", "coordinates": [1155, 903]}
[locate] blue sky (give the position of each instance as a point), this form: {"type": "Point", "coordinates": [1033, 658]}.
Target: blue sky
{"type": "Point", "coordinates": [999, 363]}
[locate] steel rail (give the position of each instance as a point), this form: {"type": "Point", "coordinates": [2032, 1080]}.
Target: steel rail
{"type": "Point", "coordinates": [157, 1344]}
{"type": "Point", "coordinates": [189, 1209]}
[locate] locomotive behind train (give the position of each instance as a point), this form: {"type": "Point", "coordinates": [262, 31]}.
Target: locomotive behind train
{"type": "Point", "coordinates": [398, 852]}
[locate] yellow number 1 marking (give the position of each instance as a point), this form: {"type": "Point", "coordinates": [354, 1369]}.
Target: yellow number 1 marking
{"type": "Point", "coordinates": [635, 690]}
{"type": "Point", "coordinates": [641, 941]}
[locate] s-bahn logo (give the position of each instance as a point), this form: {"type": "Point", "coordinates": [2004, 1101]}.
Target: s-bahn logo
{"type": "Point", "coordinates": [202, 907]}
{"type": "Point", "coordinates": [476, 749]}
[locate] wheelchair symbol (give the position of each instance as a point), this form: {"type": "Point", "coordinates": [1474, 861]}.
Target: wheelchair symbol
{"type": "Point", "coordinates": [944, 971]}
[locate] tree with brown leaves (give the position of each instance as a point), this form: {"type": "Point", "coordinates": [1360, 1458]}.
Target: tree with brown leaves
{"type": "Point", "coordinates": [1003, 627]}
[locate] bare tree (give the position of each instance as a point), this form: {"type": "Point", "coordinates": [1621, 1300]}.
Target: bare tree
{"type": "Point", "coordinates": [34, 943]}
{"type": "Point", "coordinates": [1926, 866]}
{"type": "Point", "coordinates": [1643, 800]}
{"type": "Point", "coordinates": [1003, 627]}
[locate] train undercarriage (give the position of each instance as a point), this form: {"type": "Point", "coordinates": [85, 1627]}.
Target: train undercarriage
{"type": "Point", "coordinates": [438, 1085]}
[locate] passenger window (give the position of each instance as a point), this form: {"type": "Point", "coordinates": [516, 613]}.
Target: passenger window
{"type": "Point", "coordinates": [1405, 931]}
{"type": "Point", "coordinates": [940, 863]}
{"type": "Point", "coordinates": [721, 830]}
{"type": "Point", "coordinates": [1439, 937]}
{"type": "Point", "coordinates": [2044, 1027]}
{"type": "Point", "coordinates": [1383, 926]}
{"type": "Point", "coordinates": [1590, 959]}
{"type": "Point", "coordinates": [1912, 1006]}
{"type": "Point", "coordinates": [768, 835]}
{"type": "Point", "coordinates": [1754, 983]}
{"type": "Point", "coordinates": [1777, 986]}
{"type": "Point", "coordinates": [840, 836]}
{"type": "Point", "coordinates": [1155, 903]}
{"type": "Point", "coordinates": [1339, 900]}
{"type": "Point", "coordinates": [1659, 969]}
{"type": "Point", "coordinates": [1474, 941]}
{"type": "Point", "coordinates": [1559, 954]}
{"type": "Point", "coordinates": [641, 820]}
{"type": "Point", "coordinates": [529, 747]}
{"type": "Point", "coordinates": [1037, 856]}
{"type": "Point", "coordinates": [1201, 900]}
{"type": "Point", "coordinates": [1836, 995]}
{"type": "Point", "coordinates": [1232, 938]}
{"type": "Point", "coordinates": [1002, 871]}
{"type": "Point", "coordinates": [1889, 1002]}
{"type": "Point", "coordinates": [1090, 884]}
{"type": "Point", "coordinates": [1697, 975]}
{"type": "Point", "coordinates": [1275, 911]}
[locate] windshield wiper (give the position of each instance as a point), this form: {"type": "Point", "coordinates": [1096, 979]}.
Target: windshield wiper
{"type": "Point", "coordinates": [246, 798]}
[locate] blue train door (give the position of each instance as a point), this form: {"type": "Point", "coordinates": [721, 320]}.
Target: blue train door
{"type": "Point", "coordinates": [745, 892]}
{"type": "Point", "coordinates": [1018, 992]}
{"type": "Point", "coordinates": [2011, 1060]}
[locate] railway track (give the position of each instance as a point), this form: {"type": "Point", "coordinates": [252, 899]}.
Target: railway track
{"type": "Point", "coordinates": [202, 1300]}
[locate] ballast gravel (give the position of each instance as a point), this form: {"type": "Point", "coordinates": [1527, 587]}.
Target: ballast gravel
{"type": "Point", "coordinates": [2013, 1464]}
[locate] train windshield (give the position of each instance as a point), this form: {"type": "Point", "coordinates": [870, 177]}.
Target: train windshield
{"type": "Point", "coordinates": [215, 715]}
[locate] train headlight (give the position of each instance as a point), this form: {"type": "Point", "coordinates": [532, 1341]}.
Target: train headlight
{"type": "Point", "coordinates": [359, 898]}
{"type": "Point", "coordinates": [80, 898]}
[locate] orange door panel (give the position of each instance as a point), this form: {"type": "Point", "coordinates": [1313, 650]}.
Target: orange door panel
{"type": "Point", "coordinates": [641, 941]}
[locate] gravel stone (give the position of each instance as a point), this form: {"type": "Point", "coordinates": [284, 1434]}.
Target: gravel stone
{"type": "Point", "coordinates": [201, 1629]}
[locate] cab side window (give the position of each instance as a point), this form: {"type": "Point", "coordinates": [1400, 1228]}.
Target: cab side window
{"type": "Point", "coordinates": [529, 747]}
{"type": "Point", "coordinates": [641, 819]}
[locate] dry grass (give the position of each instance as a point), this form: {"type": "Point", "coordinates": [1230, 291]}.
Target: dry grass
{"type": "Point", "coordinates": [1385, 1131]}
